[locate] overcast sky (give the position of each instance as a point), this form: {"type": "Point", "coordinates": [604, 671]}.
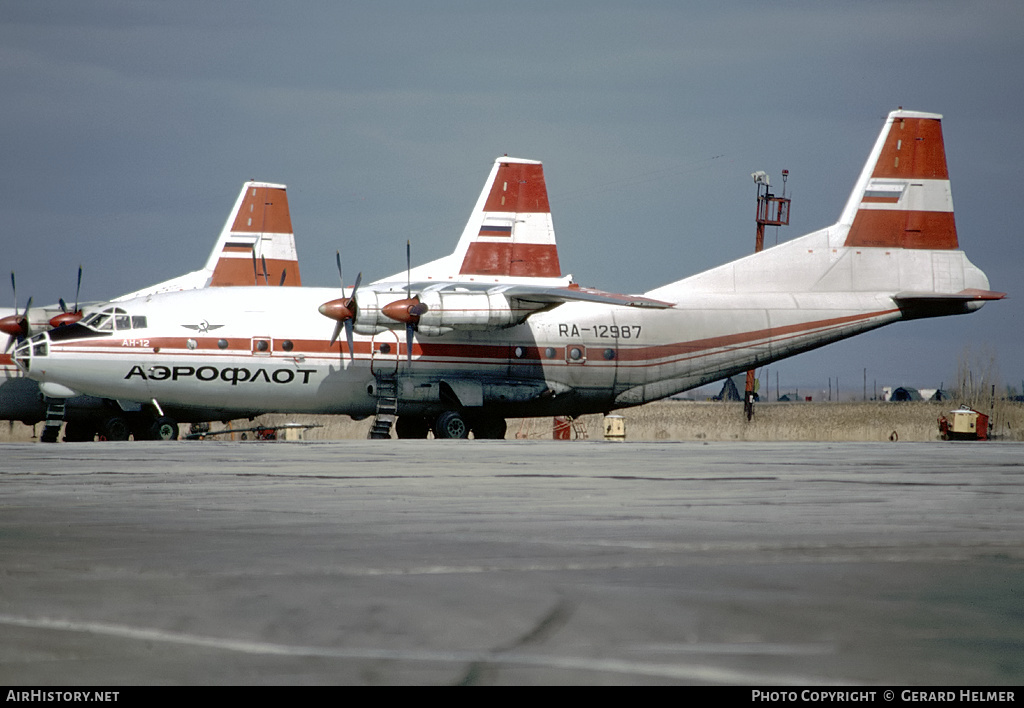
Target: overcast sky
{"type": "Point", "coordinates": [128, 128]}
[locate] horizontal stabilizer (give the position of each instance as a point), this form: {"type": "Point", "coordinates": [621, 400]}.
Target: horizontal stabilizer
{"type": "Point", "coordinates": [928, 304]}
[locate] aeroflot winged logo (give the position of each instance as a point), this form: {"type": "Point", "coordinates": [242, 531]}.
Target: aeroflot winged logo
{"type": "Point", "coordinates": [203, 327]}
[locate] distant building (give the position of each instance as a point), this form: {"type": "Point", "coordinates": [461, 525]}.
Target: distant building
{"type": "Point", "coordinates": [730, 392]}
{"type": "Point", "coordinates": [906, 393]}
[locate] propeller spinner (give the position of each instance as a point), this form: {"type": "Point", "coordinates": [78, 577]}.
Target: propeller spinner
{"type": "Point", "coordinates": [343, 310]}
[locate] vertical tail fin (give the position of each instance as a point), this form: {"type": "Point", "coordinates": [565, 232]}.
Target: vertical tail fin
{"type": "Point", "coordinates": [903, 198]}
{"type": "Point", "coordinates": [896, 235]}
{"type": "Point", "coordinates": [510, 232]}
{"type": "Point", "coordinates": [260, 225]}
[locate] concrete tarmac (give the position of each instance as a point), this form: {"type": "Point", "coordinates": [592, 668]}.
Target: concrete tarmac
{"type": "Point", "coordinates": [511, 562]}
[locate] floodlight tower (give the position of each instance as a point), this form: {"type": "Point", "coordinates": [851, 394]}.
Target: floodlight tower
{"type": "Point", "coordinates": [771, 211]}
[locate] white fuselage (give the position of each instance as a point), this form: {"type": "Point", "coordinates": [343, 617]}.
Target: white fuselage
{"type": "Point", "coordinates": [269, 349]}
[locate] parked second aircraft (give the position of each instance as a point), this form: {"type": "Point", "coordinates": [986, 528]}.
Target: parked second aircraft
{"type": "Point", "coordinates": [495, 331]}
{"type": "Point", "coordinates": [255, 247]}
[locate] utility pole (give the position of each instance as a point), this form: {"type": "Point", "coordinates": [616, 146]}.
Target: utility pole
{"type": "Point", "coordinates": [771, 211]}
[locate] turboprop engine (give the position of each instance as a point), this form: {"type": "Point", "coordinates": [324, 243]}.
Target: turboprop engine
{"type": "Point", "coordinates": [436, 312]}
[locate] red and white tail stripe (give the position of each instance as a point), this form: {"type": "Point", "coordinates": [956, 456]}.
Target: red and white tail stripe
{"type": "Point", "coordinates": [260, 224]}
{"type": "Point", "coordinates": [510, 232]}
{"type": "Point", "coordinates": [903, 198]}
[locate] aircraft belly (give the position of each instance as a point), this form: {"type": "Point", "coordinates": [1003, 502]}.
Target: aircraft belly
{"type": "Point", "coordinates": [695, 346]}
{"type": "Point", "coordinates": [535, 368]}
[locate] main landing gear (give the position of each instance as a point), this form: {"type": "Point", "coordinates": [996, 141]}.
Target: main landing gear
{"type": "Point", "coordinates": [118, 427]}
{"type": "Point", "coordinates": [451, 425]}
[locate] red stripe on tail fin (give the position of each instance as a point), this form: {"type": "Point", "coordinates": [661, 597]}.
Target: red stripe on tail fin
{"type": "Point", "coordinates": [913, 150]}
{"type": "Point", "coordinates": [527, 260]}
{"type": "Point", "coordinates": [518, 187]}
{"type": "Point", "coordinates": [264, 210]}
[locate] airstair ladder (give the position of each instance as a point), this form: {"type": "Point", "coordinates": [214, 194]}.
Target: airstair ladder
{"type": "Point", "coordinates": [54, 419]}
{"type": "Point", "coordinates": [387, 407]}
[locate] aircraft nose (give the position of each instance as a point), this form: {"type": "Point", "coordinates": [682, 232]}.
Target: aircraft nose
{"type": "Point", "coordinates": [37, 346]}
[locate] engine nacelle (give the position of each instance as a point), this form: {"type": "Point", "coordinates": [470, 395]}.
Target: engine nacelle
{"type": "Point", "coordinates": [447, 310]}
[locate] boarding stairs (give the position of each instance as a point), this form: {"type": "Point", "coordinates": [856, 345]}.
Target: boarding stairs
{"type": "Point", "coordinates": [54, 419]}
{"type": "Point", "coordinates": [387, 407]}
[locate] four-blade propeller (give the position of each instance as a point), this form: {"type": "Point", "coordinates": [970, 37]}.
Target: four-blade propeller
{"type": "Point", "coordinates": [343, 310]}
{"type": "Point", "coordinates": [16, 326]}
{"type": "Point", "coordinates": [408, 310]}
{"type": "Point", "coordinates": [66, 316]}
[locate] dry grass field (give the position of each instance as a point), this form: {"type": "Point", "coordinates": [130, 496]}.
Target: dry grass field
{"type": "Point", "coordinates": [849, 422]}
{"type": "Point", "coordinates": [690, 420]}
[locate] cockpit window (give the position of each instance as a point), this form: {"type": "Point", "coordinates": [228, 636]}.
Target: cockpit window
{"type": "Point", "coordinates": [114, 318]}
{"type": "Point", "coordinates": [103, 323]}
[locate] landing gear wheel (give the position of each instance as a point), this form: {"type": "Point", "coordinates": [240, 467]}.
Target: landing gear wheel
{"type": "Point", "coordinates": [489, 428]}
{"type": "Point", "coordinates": [450, 424]}
{"type": "Point", "coordinates": [163, 428]}
{"type": "Point", "coordinates": [411, 427]}
{"type": "Point", "coordinates": [78, 432]}
{"type": "Point", "coordinates": [49, 434]}
{"type": "Point", "coordinates": [115, 428]}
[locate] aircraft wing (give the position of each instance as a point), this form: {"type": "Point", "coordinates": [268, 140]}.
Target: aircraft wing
{"type": "Point", "coordinates": [433, 309]}
{"type": "Point", "coordinates": [558, 295]}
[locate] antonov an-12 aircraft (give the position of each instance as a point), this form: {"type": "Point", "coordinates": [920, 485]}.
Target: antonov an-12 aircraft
{"type": "Point", "coordinates": [255, 247]}
{"type": "Point", "coordinates": [494, 331]}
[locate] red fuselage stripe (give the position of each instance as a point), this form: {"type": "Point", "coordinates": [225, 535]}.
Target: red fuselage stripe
{"type": "Point", "coordinates": [464, 353]}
